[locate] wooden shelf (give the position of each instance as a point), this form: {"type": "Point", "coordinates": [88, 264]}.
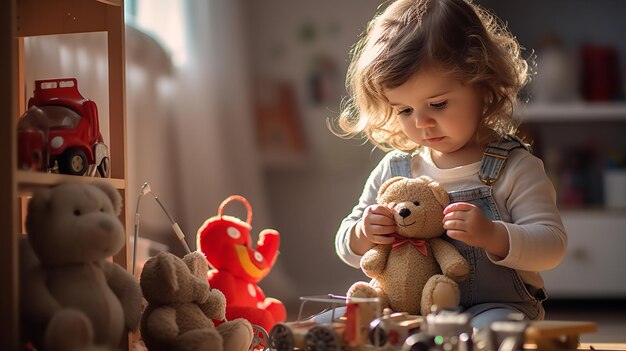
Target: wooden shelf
{"type": "Point", "coordinates": [111, 2]}
{"type": "Point", "coordinates": [27, 18]}
{"type": "Point", "coordinates": [593, 212]}
{"type": "Point", "coordinates": [28, 181]}
{"type": "Point", "coordinates": [43, 17]}
{"type": "Point", "coordinates": [572, 112]}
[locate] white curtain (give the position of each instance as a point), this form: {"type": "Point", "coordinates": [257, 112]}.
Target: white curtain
{"type": "Point", "coordinates": [191, 129]}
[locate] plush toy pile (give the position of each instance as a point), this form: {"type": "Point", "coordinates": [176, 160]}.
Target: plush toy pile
{"type": "Point", "coordinates": [236, 266]}
{"type": "Point", "coordinates": [182, 306]}
{"type": "Point", "coordinates": [419, 269]}
{"type": "Point", "coordinates": [71, 297]}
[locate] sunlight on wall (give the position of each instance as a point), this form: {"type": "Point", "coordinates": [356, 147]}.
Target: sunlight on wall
{"type": "Point", "coordinates": [164, 21]}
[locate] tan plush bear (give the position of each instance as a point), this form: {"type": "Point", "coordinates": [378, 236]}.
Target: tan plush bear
{"type": "Point", "coordinates": [419, 269]}
{"type": "Point", "coordinates": [182, 307]}
{"type": "Point", "coordinates": [67, 286]}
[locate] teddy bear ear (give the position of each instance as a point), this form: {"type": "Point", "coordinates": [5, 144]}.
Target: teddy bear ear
{"type": "Point", "coordinates": [440, 193]}
{"type": "Point", "coordinates": [383, 189]}
{"type": "Point", "coordinates": [38, 204]}
{"type": "Point", "coordinates": [197, 263]}
{"type": "Point", "coordinates": [40, 199]}
{"type": "Point", "coordinates": [113, 194]}
{"type": "Point", "coordinates": [168, 269]}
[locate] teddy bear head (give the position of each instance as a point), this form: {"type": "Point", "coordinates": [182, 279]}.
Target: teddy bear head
{"type": "Point", "coordinates": [418, 205]}
{"type": "Point", "coordinates": [75, 223]}
{"type": "Point", "coordinates": [168, 279]}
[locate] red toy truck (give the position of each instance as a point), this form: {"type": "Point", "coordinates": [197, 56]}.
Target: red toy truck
{"type": "Point", "coordinates": [61, 128]}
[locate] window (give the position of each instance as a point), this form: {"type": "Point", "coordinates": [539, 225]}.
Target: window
{"type": "Point", "coordinates": [164, 21]}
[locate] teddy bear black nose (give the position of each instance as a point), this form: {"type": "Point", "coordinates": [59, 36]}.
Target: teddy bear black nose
{"type": "Point", "coordinates": [405, 212]}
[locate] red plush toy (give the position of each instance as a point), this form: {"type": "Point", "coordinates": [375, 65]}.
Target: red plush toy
{"type": "Point", "coordinates": [236, 266]}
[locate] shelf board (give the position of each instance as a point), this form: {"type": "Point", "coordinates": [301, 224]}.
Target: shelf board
{"type": "Point", "coordinates": [43, 17]}
{"type": "Point", "coordinates": [27, 181]}
{"type": "Point", "coordinates": [593, 212]}
{"type": "Point", "coordinates": [572, 112]}
{"type": "Point", "coordinates": [111, 2]}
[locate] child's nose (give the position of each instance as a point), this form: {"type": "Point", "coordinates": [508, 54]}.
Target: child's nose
{"type": "Point", "coordinates": [423, 120]}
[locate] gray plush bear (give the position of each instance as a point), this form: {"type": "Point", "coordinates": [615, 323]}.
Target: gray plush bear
{"type": "Point", "coordinates": [182, 308]}
{"type": "Point", "coordinates": [66, 282]}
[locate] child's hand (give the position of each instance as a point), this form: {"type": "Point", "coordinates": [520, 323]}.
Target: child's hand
{"type": "Point", "coordinates": [378, 224]}
{"type": "Point", "coordinates": [465, 222]}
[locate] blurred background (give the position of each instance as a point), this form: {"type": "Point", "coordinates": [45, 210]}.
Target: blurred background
{"type": "Point", "coordinates": [234, 97]}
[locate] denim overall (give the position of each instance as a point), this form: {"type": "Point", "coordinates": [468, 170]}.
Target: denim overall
{"type": "Point", "coordinates": [491, 292]}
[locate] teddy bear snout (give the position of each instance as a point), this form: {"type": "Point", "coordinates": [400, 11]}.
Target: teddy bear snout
{"type": "Point", "coordinates": [106, 224]}
{"type": "Point", "coordinates": [405, 212]}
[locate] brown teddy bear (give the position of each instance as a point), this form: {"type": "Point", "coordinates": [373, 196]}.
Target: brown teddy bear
{"type": "Point", "coordinates": [419, 269]}
{"type": "Point", "coordinates": [67, 285]}
{"type": "Point", "coordinates": [182, 306]}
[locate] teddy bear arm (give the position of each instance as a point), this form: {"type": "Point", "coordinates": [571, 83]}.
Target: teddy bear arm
{"type": "Point", "coordinates": [127, 291]}
{"type": "Point", "coordinates": [161, 324]}
{"type": "Point", "coordinates": [374, 260]}
{"type": "Point", "coordinates": [452, 263]}
{"type": "Point", "coordinates": [38, 305]}
{"type": "Point", "coordinates": [215, 305]}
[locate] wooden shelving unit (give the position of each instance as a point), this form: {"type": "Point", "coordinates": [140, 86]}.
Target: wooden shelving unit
{"type": "Point", "coordinates": [576, 111]}
{"type": "Point", "coordinates": [27, 18]}
{"type": "Point", "coordinates": [595, 230]}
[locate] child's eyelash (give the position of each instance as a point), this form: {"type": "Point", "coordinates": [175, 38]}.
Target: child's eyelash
{"type": "Point", "coordinates": [439, 105]}
{"type": "Point", "coordinates": [406, 111]}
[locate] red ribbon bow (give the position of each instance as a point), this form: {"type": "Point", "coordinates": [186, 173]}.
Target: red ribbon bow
{"type": "Point", "coordinates": [419, 244]}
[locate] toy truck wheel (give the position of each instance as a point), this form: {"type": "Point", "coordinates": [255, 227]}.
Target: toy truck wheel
{"type": "Point", "coordinates": [378, 336]}
{"type": "Point", "coordinates": [419, 342]}
{"type": "Point", "coordinates": [281, 338]}
{"type": "Point", "coordinates": [74, 162]}
{"type": "Point", "coordinates": [104, 169]}
{"type": "Point", "coordinates": [259, 339]}
{"type": "Point", "coordinates": [321, 339]}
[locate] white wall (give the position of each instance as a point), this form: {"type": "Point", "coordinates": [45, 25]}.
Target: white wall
{"type": "Point", "coordinates": [308, 201]}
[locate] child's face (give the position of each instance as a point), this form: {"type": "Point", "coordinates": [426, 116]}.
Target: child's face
{"type": "Point", "coordinates": [437, 111]}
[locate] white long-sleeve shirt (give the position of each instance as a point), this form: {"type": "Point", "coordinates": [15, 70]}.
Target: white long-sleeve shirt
{"type": "Point", "coordinates": [524, 196]}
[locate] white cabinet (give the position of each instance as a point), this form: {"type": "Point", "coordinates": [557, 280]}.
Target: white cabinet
{"type": "Point", "coordinates": [596, 256]}
{"type": "Point", "coordinates": [579, 143]}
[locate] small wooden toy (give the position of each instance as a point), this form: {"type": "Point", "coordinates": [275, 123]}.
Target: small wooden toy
{"type": "Point", "coordinates": [557, 335]}
{"type": "Point", "coordinates": [363, 326]}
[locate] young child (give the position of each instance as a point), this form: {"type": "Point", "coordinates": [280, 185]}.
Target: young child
{"type": "Point", "coordinates": [436, 81]}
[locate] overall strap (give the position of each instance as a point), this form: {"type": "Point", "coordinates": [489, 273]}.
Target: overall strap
{"type": "Point", "coordinates": [400, 164]}
{"type": "Point", "coordinates": [495, 156]}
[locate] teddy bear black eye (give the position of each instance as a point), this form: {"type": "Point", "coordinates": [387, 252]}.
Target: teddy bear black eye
{"type": "Point", "coordinates": [77, 213]}
{"type": "Point", "coordinates": [102, 209]}
{"type": "Point", "coordinates": [417, 203]}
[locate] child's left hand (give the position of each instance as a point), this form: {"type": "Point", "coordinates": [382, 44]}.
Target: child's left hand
{"type": "Point", "coordinates": [466, 222]}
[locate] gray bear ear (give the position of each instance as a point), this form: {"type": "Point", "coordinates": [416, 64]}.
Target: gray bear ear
{"type": "Point", "coordinates": [113, 194]}
{"type": "Point", "coordinates": [167, 267]}
{"type": "Point", "coordinates": [197, 263]}
{"type": "Point", "coordinates": [39, 203]}
{"type": "Point", "coordinates": [382, 198]}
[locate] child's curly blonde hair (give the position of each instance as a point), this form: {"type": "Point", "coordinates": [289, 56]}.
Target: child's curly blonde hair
{"type": "Point", "coordinates": [456, 35]}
